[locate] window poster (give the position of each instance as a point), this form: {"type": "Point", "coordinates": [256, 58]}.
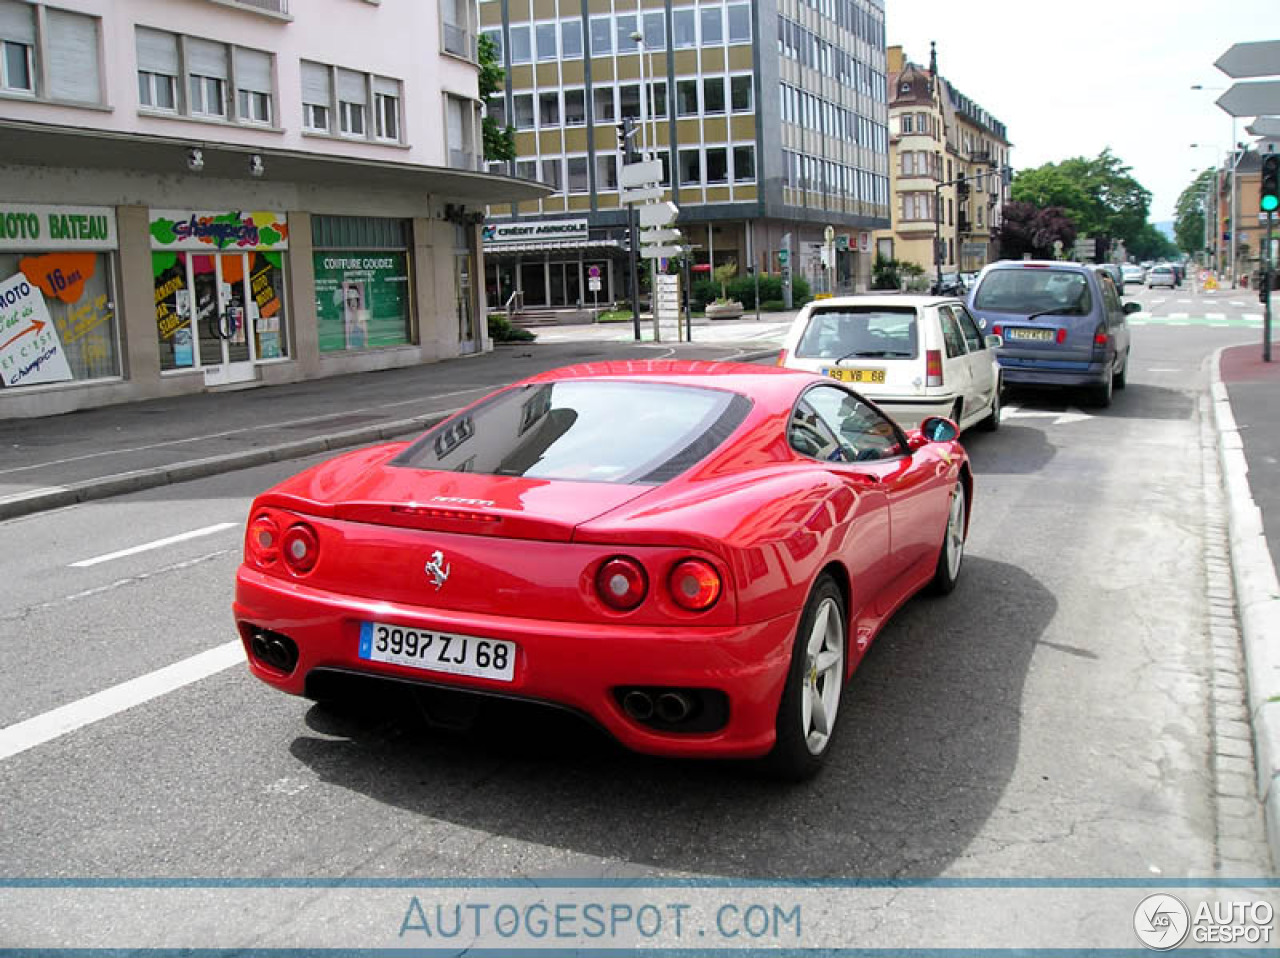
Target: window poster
{"type": "Point", "coordinates": [30, 349]}
{"type": "Point", "coordinates": [362, 299]}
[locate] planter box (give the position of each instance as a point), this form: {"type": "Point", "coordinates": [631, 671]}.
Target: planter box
{"type": "Point", "coordinates": [732, 310]}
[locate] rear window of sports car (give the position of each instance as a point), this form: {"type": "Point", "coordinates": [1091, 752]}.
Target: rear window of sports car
{"type": "Point", "coordinates": [594, 431]}
{"type": "Point", "coordinates": [866, 332]}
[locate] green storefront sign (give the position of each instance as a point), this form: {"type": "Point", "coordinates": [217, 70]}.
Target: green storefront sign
{"type": "Point", "coordinates": [362, 299]}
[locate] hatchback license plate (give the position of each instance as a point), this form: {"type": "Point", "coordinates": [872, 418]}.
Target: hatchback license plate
{"type": "Point", "coordinates": [871, 376]}
{"type": "Point", "coordinates": [438, 651]}
{"type": "Point", "coordinates": [1041, 335]}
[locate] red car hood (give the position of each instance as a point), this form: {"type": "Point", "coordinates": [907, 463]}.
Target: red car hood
{"type": "Point", "coordinates": [363, 487]}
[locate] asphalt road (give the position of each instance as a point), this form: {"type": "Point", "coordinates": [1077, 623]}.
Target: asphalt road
{"type": "Point", "coordinates": [1050, 718]}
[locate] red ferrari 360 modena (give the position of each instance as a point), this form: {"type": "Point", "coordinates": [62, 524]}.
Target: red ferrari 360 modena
{"type": "Point", "coordinates": [694, 555]}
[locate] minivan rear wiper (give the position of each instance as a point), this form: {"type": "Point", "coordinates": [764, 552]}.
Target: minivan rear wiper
{"type": "Point", "coordinates": [1074, 311]}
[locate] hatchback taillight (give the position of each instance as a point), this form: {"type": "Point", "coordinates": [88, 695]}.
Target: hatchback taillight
{"type": "Point", "coordinates": [997, 330]}
{"type": "Point", "coordinates": [1100, 337]}
{"type": "Point", "coordinates": [300, 548]}
{"type": "Point", "coordinates": [621, 583]}
{"type": "Point", "coordinates": [1061, 336]}
{"type": "Point", "coordinates": [695, 585]}
{"type": "Point", "coordinates": [933, 367]}
{"type": "Point", "coordinates": [262, 541]}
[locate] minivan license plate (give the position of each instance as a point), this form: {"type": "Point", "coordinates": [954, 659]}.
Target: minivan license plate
{"type": "Point", "coordinates": [870, 376]}
{"type": "Point", "coordinates": [1040, 335]}
{"type": "Point", "coordinates": [438, 651]}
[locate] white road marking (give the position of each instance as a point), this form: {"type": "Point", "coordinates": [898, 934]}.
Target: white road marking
{"type": "Point", "coordinates": [1215, 315]}
{"type": "Point", "coordinates": [1177, 315]}
{"type": "Point", "coordinates": [119, 698]}
{"type": "Point", "coordinates": [1153, 369]}
{"type": "Point", "coordinates": [1059, 418]}
{"type": "Point", "coordinates": [157, 544]}
{"type": "Point", "coordinates": [1252, 317]}
{"type": "Point", "coordinates": [1237, 302]}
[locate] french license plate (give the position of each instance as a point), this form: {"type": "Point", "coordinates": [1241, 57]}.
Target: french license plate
{"type": "Point", "coordinates": [438, 651]}
{"type": "Point", "coordinates": [872, 376]}
{"type": "Point", "coordinates": [1041, 335]}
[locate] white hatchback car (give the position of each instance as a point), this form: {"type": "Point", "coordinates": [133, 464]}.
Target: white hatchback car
{"type": "Point", "coordinates": [913, 356]}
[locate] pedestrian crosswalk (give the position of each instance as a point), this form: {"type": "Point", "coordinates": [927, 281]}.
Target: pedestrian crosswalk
{"type": "Point", "coordinates": [1202, 319]}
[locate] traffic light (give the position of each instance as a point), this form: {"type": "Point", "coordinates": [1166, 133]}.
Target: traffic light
{"type": "Point", "coordinates": [627, 130]}
{"type": "Point", "coordinates": [1269, 199]}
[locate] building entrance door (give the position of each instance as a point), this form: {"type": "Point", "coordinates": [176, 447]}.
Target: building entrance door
{"type": "Point", "coordinates": [220, 285]}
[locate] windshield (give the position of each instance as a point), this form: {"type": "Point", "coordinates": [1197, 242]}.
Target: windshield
{"type": "Point", "coordinates": [850, 332]}
{"type": "Point", "coordinates": [597, 431]}
{"type": "Point", "coordinates": [1034, 291]}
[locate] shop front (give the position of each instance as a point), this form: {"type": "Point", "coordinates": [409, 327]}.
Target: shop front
{"type": "Point", "coordinates": [219, 282]}
{"type": "Point", "coordinates": [58, 281]}
{"type": "Point", "coordinates": [552, 264]}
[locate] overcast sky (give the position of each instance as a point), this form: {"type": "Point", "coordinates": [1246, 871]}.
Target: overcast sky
{"type": "Point", "coordinates": [1069, 79]}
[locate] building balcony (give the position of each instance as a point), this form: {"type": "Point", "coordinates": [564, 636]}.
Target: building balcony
{"type": "Point", "coordinates": [460, 42]}
{"type": "Point", "coordinates": [277, 8]}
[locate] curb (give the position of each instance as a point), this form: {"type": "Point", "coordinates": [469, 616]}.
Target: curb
{"type": "Point", "coordinates": [1257, 602]}
{"type": "Point", "coordinates": [55, 497]}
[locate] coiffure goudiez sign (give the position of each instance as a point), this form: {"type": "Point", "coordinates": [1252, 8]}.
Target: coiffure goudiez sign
{"type": "Point", "coordinates": [534, 231]}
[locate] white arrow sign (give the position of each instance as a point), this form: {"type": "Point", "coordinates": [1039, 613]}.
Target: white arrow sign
{"type": "Point", "coordinates": [1268, 126]}
{"type": "Point", "coordinates": [1260, 59]}
{"type": "Point", "coordinates": [640, 174]}
{"type": "Point", "coordinates": [1251, 99]}
{"type": "Point", "coordinates": [643, 195]}
{"type": "Point", "coordinates": [1059, 418]}
{"type": "Point", "coordinates": [658, 214]}
{"type": "Point", "coordinates": [659, 252]}
{"type": "Point", "coordinates": [660, 236]}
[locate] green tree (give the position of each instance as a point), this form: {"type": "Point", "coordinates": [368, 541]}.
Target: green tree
{"type": "Point", "coordinates": [1151, 243]}
{"type": "Point", "coordinates": [1098, 195]}
{"type": "Point", "coordinates": [499, 142]}
{"type": "Point", "coordinates": [1188, 222]}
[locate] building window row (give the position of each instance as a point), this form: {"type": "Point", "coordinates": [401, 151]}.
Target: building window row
{"type": "Point", "coordinates": [920, 163]}
{"type": "Point", "coordinates": [919, 124]}
{"type": "Point", "coordinates": [346, 103]}
{"type": "Point", "coordinates": [813, 173]}
{"type": "Point", "coordinates": [202, 78]}
{"type": "Point", "coordinates": [552, 40]}
{"type": "Point", "coordinates": [814, 113]}
{"type": "Point", "coordinates": [554, 109]}
{"type": "Point", "coordinates": [854, 17]}
{"type": "Point", "coordinates": [49, 53]}
{"type": "Point", "coordinates": [916, 207]}
{"type": "Point", "coordinates": [716, 165]}
{"type": "Point", "coordinates": [810, 50]}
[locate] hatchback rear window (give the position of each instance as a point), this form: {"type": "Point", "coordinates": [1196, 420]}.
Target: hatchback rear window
{"type": "Point", "coordinates": [601, 431]}
{"type": "Point", "coordinates": [1034, 291]}
{"type": "Point", "coordinates": [848, 332]}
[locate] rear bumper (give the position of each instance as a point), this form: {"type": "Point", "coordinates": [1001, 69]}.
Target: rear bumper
{"type": "Point", "coordinates": [909, 413]}
{"type": "Point", "coordinates": [574, 665]}
{"type": "Point", "coordinates": [1051, 373]}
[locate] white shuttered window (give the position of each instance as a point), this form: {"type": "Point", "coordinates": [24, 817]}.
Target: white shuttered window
{"type": "Point", "coordinates": [72, 50]}
{"type": "Point", "coordinates": [207, 70]}
{"type": "Point", "coordinates": [317, 96]}
{"type": "Point", "coordinates": [17, 47]}
{"type": "Point", "coordinates": [353, 98]}
{"type": "Point", "coordinates": [253, 85]}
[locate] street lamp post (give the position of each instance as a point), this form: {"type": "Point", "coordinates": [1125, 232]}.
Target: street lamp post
{"type": "Point", "coordinates": [1236, 156]}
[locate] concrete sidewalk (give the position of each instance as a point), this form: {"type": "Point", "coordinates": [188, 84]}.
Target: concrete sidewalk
{"type": "Point", "coordinates": [60, 460]}
{"type": "Point", "coordinates": [1246, 406]}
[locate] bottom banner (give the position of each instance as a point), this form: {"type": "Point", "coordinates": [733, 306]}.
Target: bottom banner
{"type": "Point", "coordinates": [928, 917]}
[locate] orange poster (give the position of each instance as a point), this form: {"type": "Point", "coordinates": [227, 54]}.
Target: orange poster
{"type": "Point", "coordinates": [60, 275]}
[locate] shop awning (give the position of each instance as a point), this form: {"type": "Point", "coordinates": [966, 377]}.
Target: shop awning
{"type": "Point", "coordinates": [552, 246]}
{"type": "Point", "coordinates": [49, 145]}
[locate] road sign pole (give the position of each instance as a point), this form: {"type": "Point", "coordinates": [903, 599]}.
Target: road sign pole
{"type": "Point", "coordinates": [634, 243]}
{"type": "Point", "coordinates": [1269, 279]}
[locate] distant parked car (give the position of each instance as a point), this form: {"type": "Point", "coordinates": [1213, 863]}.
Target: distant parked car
{"type": "Point", "coordinates": [913, 356]}
{"type": "Point", "coordinates": [1162, 275]}
{"type": "Point", "coordinates": [1113, 271]}
{"type": "Point", "coordinates": [1133, 273]}
{"type": "Point", "coordinates": [1061, 325]}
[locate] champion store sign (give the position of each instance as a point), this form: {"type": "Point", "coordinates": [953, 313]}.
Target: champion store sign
{"type": "Point", "coordinates": [534, 231]}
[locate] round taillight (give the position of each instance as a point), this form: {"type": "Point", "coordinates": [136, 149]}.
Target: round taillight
{"type": "Point", "coordinates": [622, 583]}
{"type": "Point", "coordinates": [695, 585]}
{"type": "Point", "coordinates": [263, 540]}
{"type": "Point", "coordinates": [300, 548]}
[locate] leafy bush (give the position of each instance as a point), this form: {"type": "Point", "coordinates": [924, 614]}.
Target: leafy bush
{"type": "Point", "coordinates": [743, 289]}
{"type": "Point", "coordinates": [501, 330]}
{"type": "Point", "coordinates": [773, 306]}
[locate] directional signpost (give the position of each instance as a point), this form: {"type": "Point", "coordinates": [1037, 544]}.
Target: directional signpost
{"type": "Point", "coordinates": [658, 239]}
{"type": "Point", "coordinates": [1258, 99]}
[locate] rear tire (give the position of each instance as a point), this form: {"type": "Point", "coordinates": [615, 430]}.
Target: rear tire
{"type": "Point", "coordinates": [947, 572]}
{"type": "Point", "coordinates": [815, 682]}
{"type": "Point", "coordinates": [1100, 396]}
{"type": "Point", "coordinates": [1122, 377]}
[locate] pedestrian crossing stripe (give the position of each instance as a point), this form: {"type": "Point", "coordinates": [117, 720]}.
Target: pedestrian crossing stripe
{"type": "Point", "coordinates": [1182, 319]}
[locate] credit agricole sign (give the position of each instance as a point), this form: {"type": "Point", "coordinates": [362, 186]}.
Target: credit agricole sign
{"type": "Point", "coordinates": [534, 231]}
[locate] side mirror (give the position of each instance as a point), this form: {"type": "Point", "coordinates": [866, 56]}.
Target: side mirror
{"type": "Point", "coordinates": [993, 341]}
{"type": "Point", "coordinates": [939, 429]}
{"type": "Point", "coordinates": [1132, 308]}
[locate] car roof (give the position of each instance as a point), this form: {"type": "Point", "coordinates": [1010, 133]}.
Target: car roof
{"type": "Point", "coordinates": [888, 300]}
{"type": "Point", "coordinates": [1039, 264]}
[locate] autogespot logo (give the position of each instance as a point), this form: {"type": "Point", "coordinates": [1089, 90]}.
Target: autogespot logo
{"type": "Point", "coordinates": [1161, 922]}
